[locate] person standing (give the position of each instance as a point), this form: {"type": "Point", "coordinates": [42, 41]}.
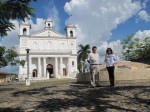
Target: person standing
{"type": "Point", "coordinates": [110, 60]}
{"type": "Point", "coordinates": [93, 59]}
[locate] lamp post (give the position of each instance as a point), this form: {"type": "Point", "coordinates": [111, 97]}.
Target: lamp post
{"type": "Point", "coordinates": [28, 77]}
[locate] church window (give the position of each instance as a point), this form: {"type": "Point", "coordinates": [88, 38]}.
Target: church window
{"type": "Point", "coordinates": [34, 73]}
{"type": "Point", "coordinates": [24, 31]}
{"type": "Point", "coordinates": [71, 33]}
{"type": "Point", "coordinates": [72, 63]}
{"type": "Point", "coordinates": [48, 25]}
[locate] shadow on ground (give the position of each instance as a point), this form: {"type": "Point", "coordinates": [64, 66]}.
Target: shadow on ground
{"type": "Point", "coordinates": [79, 97]}
{"type": "Point", "coordinates": [42, 91]}
{"type": "Point", "coordinates": [93, 99]}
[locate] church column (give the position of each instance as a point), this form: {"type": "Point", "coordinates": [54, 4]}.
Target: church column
{"type": "Point", "coordinates": [44, 66]}
{"type": "Point", "coordinates": [39, 67]}
{"type": "Point", "coordinates": [30, 70]}
{"type": "Point", "coordinates": [68, 67]}
{"type": "Point", "coordinates": [76, 66]}
{"type": "Point", "coordinates": [61, 69]}
{"type": "Point", "coordinates": [56, 67]}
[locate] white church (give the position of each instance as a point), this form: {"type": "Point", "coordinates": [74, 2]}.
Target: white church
{"type": "Point", "coordinates": [51, 54]}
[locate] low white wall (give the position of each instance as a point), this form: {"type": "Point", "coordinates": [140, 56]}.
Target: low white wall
{"type": "Point", "coordinates": [120, 74]}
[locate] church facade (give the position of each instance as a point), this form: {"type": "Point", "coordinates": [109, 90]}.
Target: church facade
{"type": "Point", "coordinates": [51, 54]}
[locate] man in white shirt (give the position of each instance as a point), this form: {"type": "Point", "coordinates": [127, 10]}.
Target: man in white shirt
{"type": "Point", "coordinates": [93, 59]}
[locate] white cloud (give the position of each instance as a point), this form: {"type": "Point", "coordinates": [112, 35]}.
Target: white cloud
{"type": "Point", "coordinates": [13, 40]}
{"type": "Point", "coordinates": [144, 3]}
{"type": "Point", "coordinates": [142, 34]}
{"type": "Point", "coordinates": [114, 45]}
{"type": "Point", "coordinates": [53, 14]}
{"type": "Point", "coordinates": [97, 18]}
{"type": "Point", "coordinates": [39, 25]}
{"type": "Point", "coordinates": [55, 17]}
{"type": "Point", "coordinates": [143, 15]}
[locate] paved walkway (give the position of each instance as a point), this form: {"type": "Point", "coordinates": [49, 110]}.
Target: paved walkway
{"type": "Point", "coordinates": [68, 96]}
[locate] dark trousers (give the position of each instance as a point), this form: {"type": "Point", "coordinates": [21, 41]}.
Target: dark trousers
{"type": "Point", "coordinates": [111, 75]}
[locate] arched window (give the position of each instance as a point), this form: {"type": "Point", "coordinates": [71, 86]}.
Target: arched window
{"type": "Point", "coordinates": [71, 33]}
{"type": "Point", "coordinates": [72, 63]}
{"type": "Point", "coordinates": [48, 25]}
{"type": "Point", "coordinates": [34, 73]}
{"type": "Point", "coordinates": [24, 31]}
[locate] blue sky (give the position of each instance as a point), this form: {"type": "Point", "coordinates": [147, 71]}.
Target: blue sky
{"type": "Point", "coordinates": [101, 23]}
{"type": "Point", "coordinates": [131, 26]}
{"type": "Point", "coordinates": [41, 7]}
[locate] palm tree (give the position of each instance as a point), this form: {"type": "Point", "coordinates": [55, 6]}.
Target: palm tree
{"type": "Point", "coordinates": [82, 56]}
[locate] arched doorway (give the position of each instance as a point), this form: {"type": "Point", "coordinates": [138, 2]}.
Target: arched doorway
{"type": "Point", "coordinates": [64, 72]}
{"type": "Point", "coordinates": [34, 73]}
{"type": "Point", "coordinates": [50, 70]}
{"type": "Point", "coordinates": [24, 31]}
{"type": "Point", "coordinates": [71, 33]}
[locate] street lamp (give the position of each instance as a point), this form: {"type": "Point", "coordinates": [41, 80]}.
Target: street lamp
{"type": "Point", "coordinates": [28, 77]}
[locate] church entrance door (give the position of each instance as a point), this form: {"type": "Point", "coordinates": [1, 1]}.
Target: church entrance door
{"type": "Point", "coordinates": [64, 72]}
{"type": "Point", "coordinates": [50, 70]}
{"type": "Point", "coordinates": [34, 73]}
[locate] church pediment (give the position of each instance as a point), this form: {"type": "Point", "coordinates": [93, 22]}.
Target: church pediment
{"type": "Point", "coordinates": [49, 33]}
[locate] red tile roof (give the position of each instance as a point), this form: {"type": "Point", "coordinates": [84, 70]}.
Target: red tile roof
{"type": "Point", "coordinates": [4, 73]}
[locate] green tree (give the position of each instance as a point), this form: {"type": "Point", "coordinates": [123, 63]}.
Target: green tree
{"type": "Point", "coordinates": [144, 51]}
{"type": "Point", "coordinates": [22, 63]}
{"type": "Point", "coordinates": [82, 56]}
{"type": "Point", "coordinates": [136, 49]}
{"type": "Point", "coordinates": [11, 55]}
{"type": "Point", "coordinates": [128, 46]}
{"type": "Point", "coordinates": [12, 10]}
{"type": "Point", "coordinates": [3, 62]}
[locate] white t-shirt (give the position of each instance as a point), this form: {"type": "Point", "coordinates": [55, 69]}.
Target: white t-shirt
{"type": "Point", "coordinates": [110, 60]}
{"type": "Point", "coordinates": [93, 58]}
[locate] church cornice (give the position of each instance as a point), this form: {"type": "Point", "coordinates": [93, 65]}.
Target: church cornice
{"type": "Point", "coordinates": [52, 30]}
{"type": "Point", "coordinates": [46, 54]}
{"type": "Point", "coordinates": [52, 37]}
